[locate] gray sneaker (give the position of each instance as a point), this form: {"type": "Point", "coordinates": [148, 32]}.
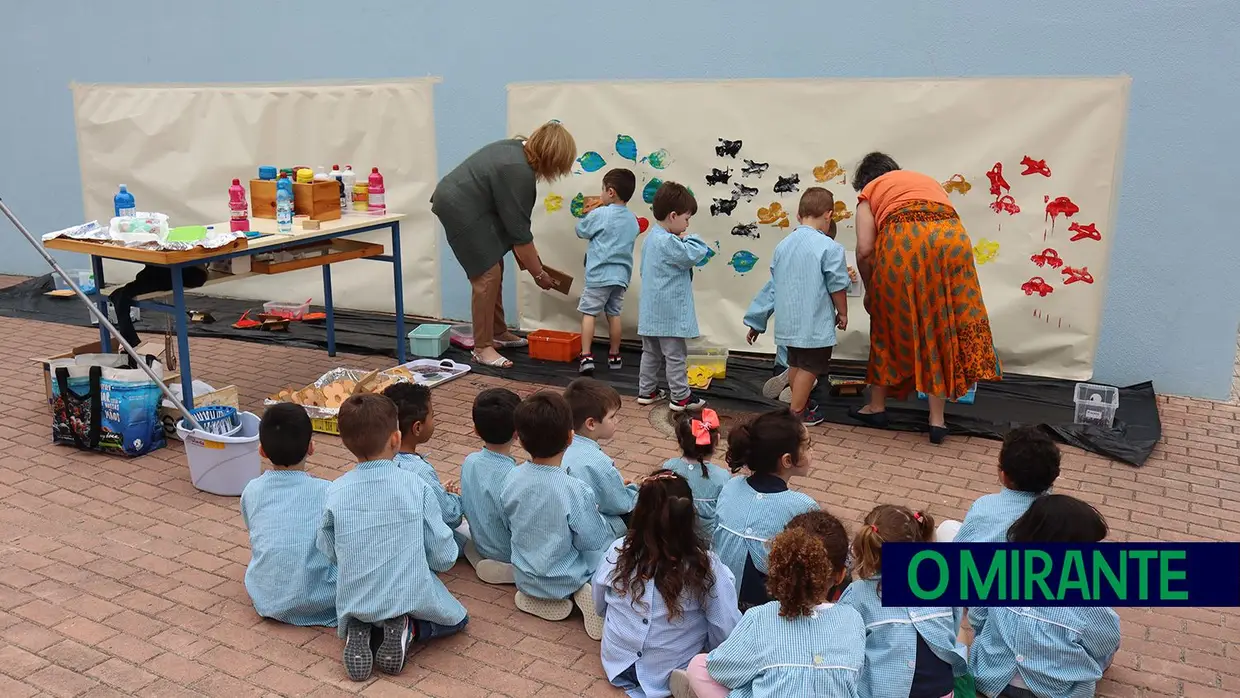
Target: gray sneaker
{"type": "Point", "coordinates": [359, 661]}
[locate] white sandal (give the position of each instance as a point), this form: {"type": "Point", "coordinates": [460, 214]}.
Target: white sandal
{"type": "Point", "coordinates": [584, 598]}
{"type": "Point", "coordinates": [501, 362]}
{"type": "Point", "coordinates": [547, 609]}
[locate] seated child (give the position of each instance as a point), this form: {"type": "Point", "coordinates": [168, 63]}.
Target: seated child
{"type": "Point", "coordinates": [774, 447]}
{"type": "Point", "coordinates": [288, 579]}
{"type": "Point", "coordinates": [482, 481]}
{"type": "Point", "coordinates": [666, 315]}
{"type": "Point", "coordinates": [1028, 466]}
{"type": "Point", "coordinates": [612, 230]}
{"type": "Point", "coordinates": [698, 436]}
{"type": "Point", "coordinates": [417, 426]}
{"type": "Point", "coordinates": [558, 535]}
{"type": "Point", "coordinates": [808, 295]}
{"type": "Point", "coordinates": [594, 407]}
{"type": "Point", "coordinates": [801, 644]}
{"type": "Point", "coordinates": [1028, 652]}
{"type": "Point", "coordinates": [909, 652]}
{"type": "Point", "coordinates": [663, 595]}
{"type": "Point", "coordinates": [383, 529]}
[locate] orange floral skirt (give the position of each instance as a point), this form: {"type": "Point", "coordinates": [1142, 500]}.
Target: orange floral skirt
{"type": "Point", "coordinates": [928, 325]}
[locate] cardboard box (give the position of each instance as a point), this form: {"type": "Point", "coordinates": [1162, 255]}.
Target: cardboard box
{"type": "Point", "coordinates": [92, 348]}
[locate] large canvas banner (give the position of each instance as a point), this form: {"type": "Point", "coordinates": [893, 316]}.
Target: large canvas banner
{"type": "Point", "coordinates": [178, 147]}
{"type": "Point", "coordinates": [1031, 164]}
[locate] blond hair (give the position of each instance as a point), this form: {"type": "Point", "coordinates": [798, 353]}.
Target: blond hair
{"type": "Point", "coordinates": [551, 151]}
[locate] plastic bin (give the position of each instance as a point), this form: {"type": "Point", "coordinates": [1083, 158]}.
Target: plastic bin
{"type": "Point", "coordinates": [220, 420]}
{"type": "Point", "coordinates": [1095, 404]}
{"type": "Point", "coordinates": [290, 311]}
{"type": "Point", "coordinates": [553, 345]}
{"type": "Point", "coordinates": [222, 465]}
{"type": "Point", "coordinates": [966, 399]}
{"type": "Point", "coordinates": [713, 359]}
{"type": "Point", "coordinates": [84, 278]}
{"type": "Point", "coordinates": [430, 341]}
{"type": "Point", "coordinates": [463, 336]}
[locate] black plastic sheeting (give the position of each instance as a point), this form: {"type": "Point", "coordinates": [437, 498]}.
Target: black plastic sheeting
{"type": "Point", "coordinates": [999, 407]}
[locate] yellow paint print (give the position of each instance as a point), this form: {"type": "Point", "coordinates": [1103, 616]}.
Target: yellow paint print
{"type": "Point", "coordinates": [985, 250]}
{"type": "Point", "coordinates": [554, 202]}
{"type": "Point", "coordinates": [773, 215]}
{"type": "Point", "coordinates": [957, 184]}
{"type": "Point", "coordinates": [841, 212]}
{"type": "Point", "coordinates": [828, 171]}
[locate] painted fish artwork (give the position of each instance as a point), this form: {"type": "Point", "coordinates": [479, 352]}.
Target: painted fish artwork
{"type": "Point", "coordinates": [787, 185]}
{"type": "Point", "coordinates": [1033, 167]}
{"type": "Point", "coordinates": [985, 251]}
{"type": "Point", "coordinates": [591, 161]}
{"type": "Point", "coordinates": [554, 202]}
{"type": "Point", "coordinates": [659, 159]}
{"type": "Point", "coordinates": [727, 148]}
{"type": "Point", "coordinates": [746, 230]}
{"type": "Point", "coordinates": [773, 215]}
{"type": "Point", "coordinates": [957, 184]}
{"type": "Point", "coordinates": [754, 168]}
{"type": "Point", "coordinates": [722, 207]}
{"type": "Point", "coordinates": [710, 254]}
{"type": "Point", "coordinates": [577, 206]}
{"type": "Point", "coordinates": [740, 191]}
{"type": "Point", "coordinates": [743, 261]}
{"type": "Point", "coordinates": [828, 171]}
{"type": "Point", "coordinates": [718, 176]}
{"type": "Point", "coordinates": [626, 147]}
{"type": "Point", "coordinates": [840, 212]}
{"type": "Point", "coordinates": [650, 189]}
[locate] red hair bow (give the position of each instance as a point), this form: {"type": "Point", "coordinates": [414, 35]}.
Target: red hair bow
{"type": "Point", "coordinates": [703, 427]}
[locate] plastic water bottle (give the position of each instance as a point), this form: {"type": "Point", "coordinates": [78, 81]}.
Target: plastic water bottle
{"type": "Point", "coordinates": [238, 209]}
{"type": "Point", "coordinates": [376, 205]}
{"type": "Point", "coordinates": [338, 178]}
{"type": "Point", "coordinates": [122, 203]}
{"type": "Point", "coordinates": [321, 174]}
{"type": "Point", "coordinates": [284, 207]}
{"type": "Point", "coordinates": [348, 179]}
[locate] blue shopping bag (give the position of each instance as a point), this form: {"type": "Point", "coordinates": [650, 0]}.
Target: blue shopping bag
{"type": "Point", "coordinates": [105, 409]}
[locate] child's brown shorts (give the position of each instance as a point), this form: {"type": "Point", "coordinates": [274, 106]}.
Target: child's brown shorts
{"type": "Point", "coordinates": [817, 360]}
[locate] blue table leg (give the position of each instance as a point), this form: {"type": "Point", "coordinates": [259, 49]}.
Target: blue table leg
{"type": "Point", "coordinates": [398, 276]}
{"type": "Point", "coordinates": [182, 324]}
{"type": "Point", "coordinates": [101, 302]}
{"type": "Point", "coordinates": [331, 313]}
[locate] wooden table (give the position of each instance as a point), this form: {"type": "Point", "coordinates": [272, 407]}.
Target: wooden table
{"type": "Point", "coordinates": [348, 225]}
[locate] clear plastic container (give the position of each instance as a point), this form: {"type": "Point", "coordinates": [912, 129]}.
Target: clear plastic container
{"type": "Point", "coordinates": [714, 359]}
{"type": "Point", "coordinates": [84, 278]}
{"type": "Point", "coordinates": [1095, 404]}
{"type": "Point", "coordinates": [291, 311]}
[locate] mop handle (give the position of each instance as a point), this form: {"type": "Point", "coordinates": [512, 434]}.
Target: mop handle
{"type": "Point", "coordinates": [100, 316]}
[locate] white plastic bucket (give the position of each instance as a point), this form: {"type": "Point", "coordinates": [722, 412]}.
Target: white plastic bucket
{"type": "Point", "coordinates": [223, 465]}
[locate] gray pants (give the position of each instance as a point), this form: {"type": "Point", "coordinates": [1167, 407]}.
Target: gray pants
{"type": "Point", "coordinates": [670, 354]}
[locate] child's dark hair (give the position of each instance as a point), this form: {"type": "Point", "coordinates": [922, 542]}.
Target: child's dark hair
{"type": "Point", "coordinates": [413, 403]}
{"type": "Point", "coordinates": [801, 574]}
{"type": "Point", "coordinates": [673, 197]}
{"type": "Point", "coordinates": [829, 530]}
{"type": "Point", "coordinates": [689, 446]}
{"type": "Point", "coordinates": [284, 433]}
{"type": "Point", "coordinates": [872, 167]}
{"type": "Point", "coordinates": [493, 415]}
{"type": "Point", "coordinates": [622, 181]}
{"type": "Point", "coordinates": [544, 424]}
{"type": "Point", "coordinates": [888, 523]}
{"type": "Point", "coordinates": [815, 202]}
{"type": "Point", "coordinates": [1030, 459]}
{"type": "Point", "coordinates": [663, 545]}
{"type": "Point", "coordinates": [1058, 518]}
{"type": "Point", "coordinates": [762, 442]}
{"type": "Point", "coordinates": [590, 399]}
{"type": "Point", "coordinates": [366, 422]}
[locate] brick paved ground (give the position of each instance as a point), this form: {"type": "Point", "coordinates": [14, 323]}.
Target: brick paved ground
{"type": "Point", "coordinates": [118, 578]}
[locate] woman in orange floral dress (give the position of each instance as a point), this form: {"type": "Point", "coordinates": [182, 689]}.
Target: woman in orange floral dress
{"type": "Point", "coordinates": [928, 325]}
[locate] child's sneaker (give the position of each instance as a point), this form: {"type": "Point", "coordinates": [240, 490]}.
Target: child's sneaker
{"type": "Point", "coordinates": [690, 402]}
{"type": "Point", "coordinates": [586, 367]}
{"type": "Point", "coordinates": [548, 609]}
{"type": "Point", "coordinates": [811, 416]}
{"type": "Point", "coordinates": [657, 396]}
{"type": "Point", "coordinates": [584, 598]}
{"type": "Point", "coordinates": [390, 657]}
{"type": "Point", "coordinates": [358, 659]}
{"type": "Point", "coordinates": [614, 362]}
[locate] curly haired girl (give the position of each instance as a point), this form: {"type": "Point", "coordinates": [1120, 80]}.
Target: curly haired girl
{"type": "Point", "coordinates": [663, 595]}
{"type": "Point", "coordinates": [698, 437]}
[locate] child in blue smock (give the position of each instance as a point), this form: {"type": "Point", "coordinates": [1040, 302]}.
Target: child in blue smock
{"type": "Point", "coordinates": [558, 535]}
{"type": "Point", "coordinates": [1028, 466]}
{"type": "Point", "coordinates": [663, 595]}
{"type": "Point", "coordinates": [809, 280]}
{"type": "Point", "coordinates": [775, 448]}
{"type": "Point", "coordinates": [288, 579]}
{"type": "Point", "coordinates": [800, 644]}
{"type": "Point", "coordinates": [909, 652]}
{"type": "Point", "coordinates": [417, 426]}
{"type": "Point", "coordinates": [612, 230]}
{"type": "Point", "coordinates": [666, 315]}
{"type": "Point", "coordinates": [383, 528]}
{"type": "Point", "coordinates": [698, 437]}
{"type": "Point", "coordinates": [482, 481]}
{"type": "Point", "coordinates": [594, 405]}
{"type": "Point", "coordinates": [1024, 652]}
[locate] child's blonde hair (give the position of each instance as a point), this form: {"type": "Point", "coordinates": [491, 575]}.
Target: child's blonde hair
{"type": "Point", "coordinates": [551, 151]}
{"type": "Point", "coordinates": [888, 523]}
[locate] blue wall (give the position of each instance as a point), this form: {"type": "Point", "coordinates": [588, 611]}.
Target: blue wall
{"type": "Point", "coordinates": [1174, 292]}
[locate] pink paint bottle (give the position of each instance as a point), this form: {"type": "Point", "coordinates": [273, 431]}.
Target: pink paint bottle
{"type": "Point", "coordinates": [375, 201]}
{"type": "Point", "coordinates": [239, 210]}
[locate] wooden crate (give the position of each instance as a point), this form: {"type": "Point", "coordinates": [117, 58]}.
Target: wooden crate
{"type": "Point", "coordinates": [329, 252]}
{"type": "Point", "coordinates": [263, 198]}
{"type": "Point", "coordinates": [318, 201]}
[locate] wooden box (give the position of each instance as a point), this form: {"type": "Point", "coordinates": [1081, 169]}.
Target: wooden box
{"type": "Point", "coordinates": [318, 201]}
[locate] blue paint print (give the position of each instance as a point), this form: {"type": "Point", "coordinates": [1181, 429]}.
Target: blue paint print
{"type": "Point", "coordinates": [743, 262]}
{"type": "Point", "coordinates": [650, 189]}
{"type": "Point", "coordinates": [591, 161]}
{"type": "Point", "coordinates": [577, 206]}
{"type": "Point", "coordinates": [709, 255]}
{"type": "Point", "coordinates": [659, 159]}
{"type": "Point", "coordinates": [626, 147]}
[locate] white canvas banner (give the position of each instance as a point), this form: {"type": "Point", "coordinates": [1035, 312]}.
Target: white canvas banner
{"type": "Point", "coordinates": [1031, 164]}
{"type": "Point", "coordinates": [178, 148]}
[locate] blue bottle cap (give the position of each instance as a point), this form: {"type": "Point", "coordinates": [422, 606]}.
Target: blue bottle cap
{"type": "Point", "coordinates": [266, 172]}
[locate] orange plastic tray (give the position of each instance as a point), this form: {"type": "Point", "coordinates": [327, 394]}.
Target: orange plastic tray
{"type": "Point", "coordinates": [553, 345]}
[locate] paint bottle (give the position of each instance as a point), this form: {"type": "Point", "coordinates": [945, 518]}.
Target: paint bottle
{"type": "Point", "coordinates": [375, 200]}
{"type": "Point", "coordinates": [305, 175]}
{"type": "Point", "coordinates": [361, 198]}
{"type": "Point", "coordinates": [284, 206]}
{"type": "Point", "coordinates": [122, 203]}
{"type": "Point", "coordinates": [348, 180]}
{"type": "Point", "coordinates": [321, 175]}
{"type": "Point", "coordinates": [239, 210]}
{"type": "Point", "coordinates": [337, 177]}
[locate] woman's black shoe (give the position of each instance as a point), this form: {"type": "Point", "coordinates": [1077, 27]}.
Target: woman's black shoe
{"type": "Point", "coordinates": [876, 419]}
